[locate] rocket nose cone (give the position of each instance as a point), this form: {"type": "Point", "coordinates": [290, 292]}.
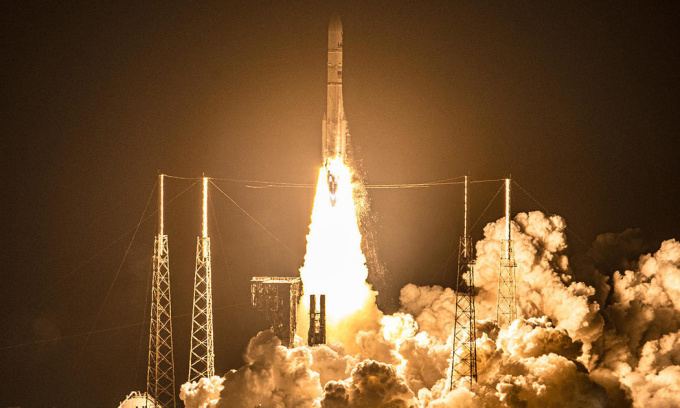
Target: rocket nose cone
{"type": "Point", "coordinates": [335, 24]}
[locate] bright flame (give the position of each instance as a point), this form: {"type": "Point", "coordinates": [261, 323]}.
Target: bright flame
{"type": "Point", "coordinates": [334, 264]}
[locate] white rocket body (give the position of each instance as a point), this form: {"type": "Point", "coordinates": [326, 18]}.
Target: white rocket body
{"type": "Point", "coordinates": [334, 129]}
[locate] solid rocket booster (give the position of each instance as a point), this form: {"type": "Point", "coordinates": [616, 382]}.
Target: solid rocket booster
{"type": "Point", "coordinates": [334, 128]}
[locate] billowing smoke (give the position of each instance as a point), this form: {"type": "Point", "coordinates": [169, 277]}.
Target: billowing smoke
{"type": "Point", "coordinates": [596, 332]}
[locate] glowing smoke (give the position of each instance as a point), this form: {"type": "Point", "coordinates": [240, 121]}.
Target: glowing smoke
{"type": "Point", "coordinates": [588, 336]}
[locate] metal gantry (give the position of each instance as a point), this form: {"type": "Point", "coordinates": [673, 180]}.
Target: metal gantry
{"type": "Point", "coordinates": [160, 378]}
{"type": "Point", "coordinates": [317, 321]}
{"type": "Point", "coordinates": [202, 356]}
{"type": "Point", "coordinates": [506, 305]}
{"type": "Point", "coordinates": [464, 348]}
{"type": "Point", "coordinates": [278, 298]}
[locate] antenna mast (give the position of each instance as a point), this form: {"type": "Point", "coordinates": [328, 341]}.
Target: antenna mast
{"type": "Point", "coordinates": [506, 306]}
{"type": "Point", "coordinates": [464, 352]}
{"type": "Point", "coordinates": [160, 377]}
{"type": "Point", "coordinates": [202, 357]}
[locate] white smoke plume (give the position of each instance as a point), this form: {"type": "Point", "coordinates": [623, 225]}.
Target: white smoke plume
{"type": "Point", "coordinates": [596, 332]}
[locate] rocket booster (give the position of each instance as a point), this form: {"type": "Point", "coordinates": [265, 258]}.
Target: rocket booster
{"type": "Point", "coordinates": [334, 128]}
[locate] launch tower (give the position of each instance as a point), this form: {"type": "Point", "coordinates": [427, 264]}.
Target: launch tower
{"type": "Point", "coordinates": [506, 306]}
{"type": "Point", "coordinates": [464, 352]}
{"type": "Point", "coordinates": [202, 357]}
{"type": "Point", "coordinates": [278, 298]}
{"type": "Point", "coordinates": [160, 376]}
{"type": "Point", "coordinates": [317, 321]}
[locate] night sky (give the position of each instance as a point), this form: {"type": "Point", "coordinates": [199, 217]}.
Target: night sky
{"type": "Point", "coordinates": [579, 101]}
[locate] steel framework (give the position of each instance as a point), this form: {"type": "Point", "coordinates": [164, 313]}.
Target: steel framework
{"type": "Point", "coordinates": [464, 349]}
{"type": "Point", "coordinates": [317, 321]}
{"type": "Point", "coordinates": [278, 298]}
{"type": "Point", "coordinates": [202, 356]}
{"type": "Point", "coordinates": [160, 378]}
{"type": "Point", "coordinates": [506, 305]}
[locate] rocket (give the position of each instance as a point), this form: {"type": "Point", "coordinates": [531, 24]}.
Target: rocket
{"type": "Point", "coordinates": [334, 130]}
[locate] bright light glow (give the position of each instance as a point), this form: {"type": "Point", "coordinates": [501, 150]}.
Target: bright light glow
{"type": "Point", "coordinates": [161, 189]}
{"type": "Point", "coordinates": [334, 264]}
{"type": "Point", "coordinates": [205, 207]}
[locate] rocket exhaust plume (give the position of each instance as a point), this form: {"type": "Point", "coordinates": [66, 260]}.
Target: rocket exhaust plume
{"type": "Point", "coordinates": [334, 264]}
{"type": "Point", "coordinates": [587, 336]}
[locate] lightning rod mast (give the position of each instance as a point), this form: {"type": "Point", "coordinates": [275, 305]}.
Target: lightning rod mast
{"type": "Point", "coordinates": [160, 377]}
{"type": "Point", "coordinates": [464, 350]}
{"type": "Point", "coordinates": [202, 357]}
{"type": "Point", "coordinates": [506, 306]}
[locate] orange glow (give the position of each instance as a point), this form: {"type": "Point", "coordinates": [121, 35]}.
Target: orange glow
{"type": "Point", "coordinates": [205, 207]}
{"type": "Point", "coordinates": [334, 264]}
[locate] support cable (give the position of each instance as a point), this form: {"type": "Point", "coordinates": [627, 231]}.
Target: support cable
{"type": "Point", "coordinates": [453, 252]}
{"type": "Point", "coordinates": [95, 256]}
{"type": "Point", "coordinates": [487, 206]}
{"type": "Point", "coordinates": [260, 184]}
{"type": "Point", "coordinates": [108, 292]}
{"type": "Point", "coordinates": [106, 330]}
{"type": "Point", "coordinates": [550, 212]}
{"type": "Point", "coordinates": [254, 220]}
{"type": "Point", "coordinates": [226, 261]}
{"type": "Point", "coordinates": [141, 332]}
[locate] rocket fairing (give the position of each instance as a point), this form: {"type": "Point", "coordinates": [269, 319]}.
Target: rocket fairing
{"type": "Point", "coordinates": [334, 125]}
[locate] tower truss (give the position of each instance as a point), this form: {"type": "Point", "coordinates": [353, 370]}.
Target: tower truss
{"type": "Point", "coordinates": [317, 321]}
{"type": "Point", "coordinates": [160, 378]}
{"type": "Point", "coordinates": [464, 350]}
{"type": "Point", "coordinates": [506, 305]}
{"type": "Point", "coordinates": [202, 357]}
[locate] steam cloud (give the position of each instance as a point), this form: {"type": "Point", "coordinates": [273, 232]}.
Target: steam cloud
{"type": "Point", "coordinates": [596, 331]}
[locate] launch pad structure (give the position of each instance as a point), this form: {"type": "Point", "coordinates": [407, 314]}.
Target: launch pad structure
{"type": "Point", "coordinates": [160, 378]}
{"type": "Point", "coordinates": [278, 298]}
{"type": "Point", "coordinates": [464, 349]}
{"type": "Point", "coordinates": [317, 321]}
{"type": "Point", "coordinates": [506, 304]}
{"type": "Point", "coordinates": [202, 356]}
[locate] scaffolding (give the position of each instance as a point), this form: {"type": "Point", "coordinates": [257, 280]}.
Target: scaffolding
{"type": "Point", "coordinates": [202, 356]}
{"type": "Point", "coordinates": [278, 298]}
{"type": "Point", "coordinates": [317, 321]}
{"type": "Point", "coordinates": [464, 347]}
{"type": "Point", "coordinates": [506, 306]}
{"type": "Point", "coordinates": [160, 377]}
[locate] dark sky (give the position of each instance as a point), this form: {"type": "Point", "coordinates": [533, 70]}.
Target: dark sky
{"type": "Point", "coordinates": [579, 101]}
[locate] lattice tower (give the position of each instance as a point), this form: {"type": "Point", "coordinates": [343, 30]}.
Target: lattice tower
{"type": "Point", "coordinates": [317, 321]}
{"type": "Point", "coordinates": [506, 306]}
{"type": "Point", "coordinates": [160, 378]}
{"type": "Point", "coordinates": [202, 357]}
{"type": "Point", "coordinates": [464, 350]}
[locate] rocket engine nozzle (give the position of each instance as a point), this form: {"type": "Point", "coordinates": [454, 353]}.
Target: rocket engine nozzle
{"type": "Point", "coordinates": [332, 181]}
